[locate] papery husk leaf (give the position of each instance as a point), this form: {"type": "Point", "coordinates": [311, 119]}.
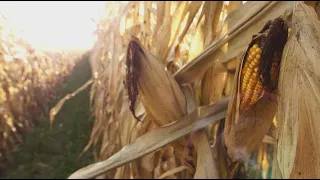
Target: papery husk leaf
{"type": "Point", "coordinates": [298, 154]}
{"type": "Point", "coordinates": [244, 132]}
{"type": "Point", "coordinates": [276, 172]}
{"type": "Point", "coordinates": [315, 5]}
{"type": "Point", "coordinates": [159, 92]}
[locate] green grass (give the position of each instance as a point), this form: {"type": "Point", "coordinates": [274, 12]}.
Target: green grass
{"type": "Point", "coordinates": [54, 153]}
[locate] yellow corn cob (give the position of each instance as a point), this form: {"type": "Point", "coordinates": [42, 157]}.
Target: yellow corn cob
{"type": "Point", "coordinates": [251, 89]}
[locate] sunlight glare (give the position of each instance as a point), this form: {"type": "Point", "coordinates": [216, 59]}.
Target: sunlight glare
{"type": "Point", "coordinates": [58, 25]}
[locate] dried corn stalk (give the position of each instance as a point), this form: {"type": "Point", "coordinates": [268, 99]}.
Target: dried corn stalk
{"type": "Point", "coordinates": [251, 108]}
{"type": "Point", "coordinates": [298, 154]}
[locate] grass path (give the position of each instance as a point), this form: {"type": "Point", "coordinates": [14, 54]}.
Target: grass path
{"type": "Point", "coordinates": [54, 153]}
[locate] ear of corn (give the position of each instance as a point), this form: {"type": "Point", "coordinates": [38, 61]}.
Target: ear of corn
{"type": "Point", "coordinates": [147, 78]}
{"type": "Point", "coordinates": [250, 116]}
{"type": "Point", "coordinates": [163, 99]}
{"type": "Point", "coordinates": [261, 67]}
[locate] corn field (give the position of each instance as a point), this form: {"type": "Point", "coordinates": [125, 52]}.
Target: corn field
{"type": "Point", "coordinates": [193, 89]}
{"type": "Point", "coordinates": [27, 82]}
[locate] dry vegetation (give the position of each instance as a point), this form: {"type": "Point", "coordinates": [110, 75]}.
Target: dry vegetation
{"type": "Point", "coordinates": [28, 79]}
{"type": "Point", "coordinates": [176, 66]}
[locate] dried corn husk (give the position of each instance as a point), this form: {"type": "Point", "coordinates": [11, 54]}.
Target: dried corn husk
{"type": "Point", "coordinates": [244, 130]}
{"type": "Point", "coordinates": [159, 92]}
{"type": "Point", "coordinates": [315, 5]}
{"type": "Point", "coordinates": [162, 97]}
{"type": "Point", "coordinates": [298, 154]}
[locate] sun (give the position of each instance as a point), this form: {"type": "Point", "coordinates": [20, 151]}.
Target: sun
{"type": "Point", "coordinates": [54, 25]}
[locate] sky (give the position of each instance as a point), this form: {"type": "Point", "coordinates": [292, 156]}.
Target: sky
{"type": "Point", "coordinates": [61, 25]}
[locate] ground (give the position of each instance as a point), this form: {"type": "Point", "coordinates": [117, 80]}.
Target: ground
{"type": "Point", "coordinates": [54, 153]}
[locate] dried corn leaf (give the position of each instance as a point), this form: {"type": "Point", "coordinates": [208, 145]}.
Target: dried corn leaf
{"type": "Point", "coordinates": [54, 111]}
{"type": "Point", "coordinates": [173, 171]}
{"type": "Point", "coordinates": [165, 164]}
{"type": "Point", "coordinates": [219, 153]}
{"type": "Point", "coordinates": [298, 154]}
{"type": "Point", "coordinates": [205, 163]}
{"type": "Point", "coordinates": [213, 84]}
{"type": "Point", "coordinates": [206, 28]}
{"type": "Point", "coordinates": [152, 141]}
{"type": "Point", "coordinates": [193, 8]}
{"type": "Point", "coordinates": [233, 5]}
{"type": "Point", "coordinates": [229, 84]}
{"type": "Point", "coordinates": [206, 168]}
{"type": "Point", "coordinates": [231, 65]}
{"type": "Point", "coordinates": [233, 37]}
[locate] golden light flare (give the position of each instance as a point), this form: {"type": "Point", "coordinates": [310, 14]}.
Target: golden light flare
{"type": "Point", "coordinates": [54, 25]}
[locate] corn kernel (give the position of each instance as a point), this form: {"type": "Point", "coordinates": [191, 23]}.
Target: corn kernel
{"type": "Point", "coordinates": [250, 87]}
{"type": "Point", "coordinates": [258, 56]}
{"type": "Point", "coordinates": [258, 50]}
